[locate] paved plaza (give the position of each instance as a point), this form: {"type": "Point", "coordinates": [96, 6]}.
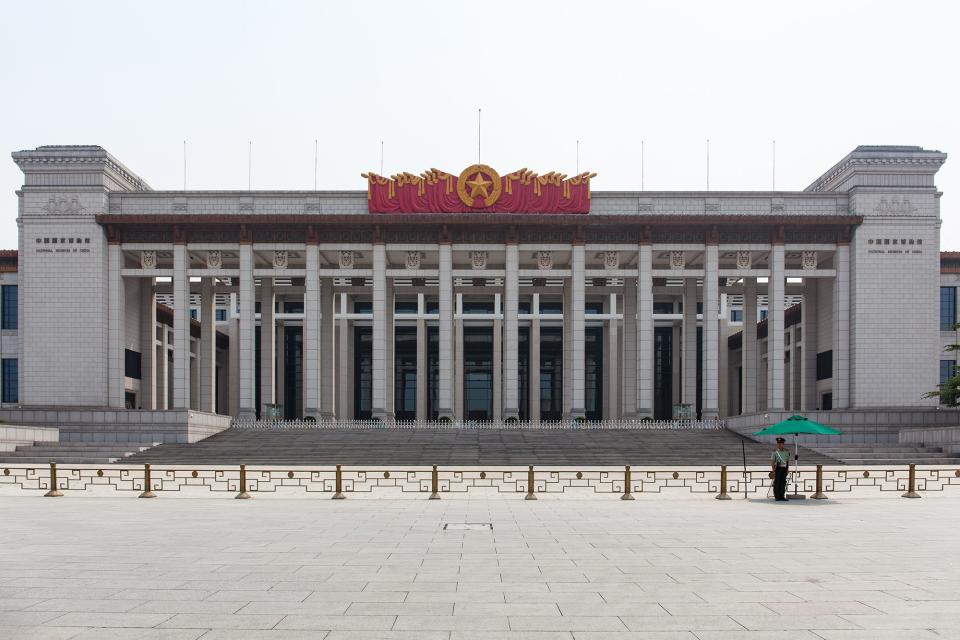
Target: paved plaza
{"type": "Point", "coordinates": [117, 568]}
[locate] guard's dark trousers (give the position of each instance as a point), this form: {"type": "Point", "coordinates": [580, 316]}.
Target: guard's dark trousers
{"type": "Point", "coordinates": [780, 484]}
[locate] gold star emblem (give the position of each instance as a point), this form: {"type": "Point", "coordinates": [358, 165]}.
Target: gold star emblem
{"type": "Point", "coordinates": [478, 186]}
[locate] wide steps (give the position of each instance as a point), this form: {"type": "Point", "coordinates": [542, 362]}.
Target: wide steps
{"type": "Point", "coordinates": [73, 452]}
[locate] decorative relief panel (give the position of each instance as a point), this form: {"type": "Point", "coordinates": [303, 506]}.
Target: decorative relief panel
{"type": "Point", "coordinates": [611, 259]}
{"type": "Point", "coordinates": [215, 259]}
{"type": "Point", "coordinates": [281, 259]}
{"type": "Point", "coordinates": [735, 236]}
{"type": "Point", "coordinates": [744, 260]}
{"type": "Point", "coordinates": [478, 259]}
{"type": "Point", "coordinates": [63, 205]}
{"type": "Point", "coordinates": [413, 260]}
{"type": "Point", "coordinates": [148, 259]}
{"type": "Point", "coordinates": [346, 259]}
{"type": "Point", "coordinates": [808, 259]}
{"type": "Point", "coordinates": [895, 207]}
{"type": "Point", "coordinates": [544, 260]}
{"type": "Point", "coordinates": [823, 236]}
{"type": "Point", "coordinates": [677, 260]}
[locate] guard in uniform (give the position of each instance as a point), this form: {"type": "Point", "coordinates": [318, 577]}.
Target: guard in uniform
{"type": "Point", "coordinates": [780, 464]}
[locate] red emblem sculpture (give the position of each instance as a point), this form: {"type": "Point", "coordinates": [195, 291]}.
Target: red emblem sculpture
{"type": "Point", "coordinates": [479, 189]}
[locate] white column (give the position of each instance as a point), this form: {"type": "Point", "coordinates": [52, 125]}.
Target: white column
{"type": "Point", "coordinates": [268, 343]}
{"type": "Point", "coordinates": [445, 368]}
{"type": "Point", "coordinates": [163, 384]}
{"type": "Point", "coordinates": [248, 408]}
{"type": "Point", "coordinates": [233, 359]}
{"type": "Point", "coordinates": [327, 347]}
{"type": "Point", "coordinates": [567, 348]}
{"type": "Point", "coordinates": [841, 328]}
{"type": "Point", "coordinates": [611, 359]}
{"type": "Point", "coordinates": [631, 360]}
{"type": "Point", "coordinates": [311, 334]}
{"type": "Point", "coordinates": [115, 328]}
{"type": "Point", "coordinates": [578, 366]}
{"type": "Point", "coordinates": [533, 406]}
{"type": "Point", "coordinates": [344, 364]}
{"type": "Point", "coordinates": [511, 308]}
{"type": "Point", "coordinates": [208, 347]}
{"type": "Point", "coordinates": [808, 312]}
{"type": "Point", "coordinates": [390, 344]}
{"type": "Point", "coordinates": [775, 362]}
{"type": "Point", "coordinates": [181, 329]}
{"type": "Point", "coordinates": [148, 345]}
{"type": "Point", "coordinates": [711, 333]}
{"type": "Point", "coordinates": [645, 331]}
{"type": "Point", "coordinates": [458, 408]}
{"type": "Point", "coordinates": [749, 361]}
{"type": "Point", "coordinates": [498, 359]}
{"type": "Point", "coordinates": [422, 372]}
{"type": "Point", "coordinates": [379, 385]}
{"type": "Point", "coordinates": [690, 343]}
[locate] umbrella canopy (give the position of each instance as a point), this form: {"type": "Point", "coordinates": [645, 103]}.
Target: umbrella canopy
{"type": "Point", "coordinates": [797, 424]}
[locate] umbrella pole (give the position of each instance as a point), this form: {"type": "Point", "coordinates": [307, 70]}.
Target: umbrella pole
{"type": "Point", "coordinates": [743, 448]}
{"type": "Point", "coordinates": [796, 462]}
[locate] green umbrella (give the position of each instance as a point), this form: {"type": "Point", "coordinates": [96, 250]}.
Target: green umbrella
{"type": "Point", "coordinates": [796, 425]}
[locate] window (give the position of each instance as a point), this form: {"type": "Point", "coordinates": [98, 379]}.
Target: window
{"type": "Point", "coordinates": [947, 370]}
{"type": "Point", "coordinates": [523, 306]}
{"type": "Point", "coordinates": [948, 308]}
{"type": "Point", "coordinates": [405, 306]}
{"type": "Point", "coordinates": [699, 308]}
{"type": "Point", "coordinates": [763, 314]}
{"type": "Point", "coordinates": [193, 314]}
{"type": "Point", "coordinates": [362, 306]}
{"type": "Point", "coordinates": [736, 315]}
{"type": "Point", "coordinates": [592, 308]}
{"type": "Point", "coordinates": [9, 304]}
{"type": "Point", "coordinates": [293, 306]}
{"type": "Point", "coordinates": [131, 364]}
{"type": "Point", "coordinates": [477, 305]}
{"type": "Point", "coordinates": [9, 368]}
{"type": "Point", "coordinates": [825, 365]}
{"type": "Point", "coordinates": [662, 308]}
{"type": "Point", "coordinates": [432, 305]}
{"type": "Point", "coordinates": [221, 315]}
{"type": "Point", "coordinates": [551, 306]}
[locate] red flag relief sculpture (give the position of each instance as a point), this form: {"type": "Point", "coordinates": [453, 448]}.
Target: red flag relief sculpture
{"type": "Point", "coordinates": [479, 189]}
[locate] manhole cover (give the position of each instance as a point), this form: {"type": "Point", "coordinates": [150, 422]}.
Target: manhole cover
{"type": "Point", "coordinates": [468, 526]}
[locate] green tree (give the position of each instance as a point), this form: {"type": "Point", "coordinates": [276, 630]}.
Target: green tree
{"type": "Point", "coordinates": [949, 390]}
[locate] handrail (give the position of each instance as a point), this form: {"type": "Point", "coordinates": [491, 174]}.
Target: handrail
{"type": "Point", "coordinates": [468, 425]}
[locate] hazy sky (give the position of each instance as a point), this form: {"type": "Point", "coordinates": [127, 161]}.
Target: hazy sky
{"type": "Point", "coordinates": [138, 78]}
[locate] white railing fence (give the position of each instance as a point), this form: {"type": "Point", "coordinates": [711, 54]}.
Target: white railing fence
{"type": "Point", "coordinates": [520, 425]}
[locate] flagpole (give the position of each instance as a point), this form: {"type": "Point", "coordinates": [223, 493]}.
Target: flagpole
{"type": "Point", "coordinates": [478, 135]}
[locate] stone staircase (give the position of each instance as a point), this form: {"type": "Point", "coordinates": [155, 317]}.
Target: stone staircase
{"type": "Point", "coordinates": [468, 447]}
{"type": "Point", "coordinates": [73, 452]}
{"type": "Point", "coordinates": [886, 453]}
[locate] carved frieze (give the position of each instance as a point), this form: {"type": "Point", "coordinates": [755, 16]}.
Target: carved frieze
{"type": "Point", "coordinates": [744, 260]}
{"type": "Point", "coordinates": [611, 259]}
{"type": "Point", "coordinates": [677, 260]}
{"type": "Point", "coordinates": [214, 259]}
{"type": "Point", "coordinates": [63, 205]}
{"type": "Point", "coordinates": [894, 207]}
{"type": "Point", "coordinates": [347, 259]}
{"type": "Point", "coordinates": [478, 259]}
{"type": "Point", "coordinates": [413, 260]}
{"type": "Point", "coordinates": [148, 259]}
{"type": "Point", "coordinates": [544, 260]}
{"type": "Point", "coordinates": [808, 260]}
{"type": "Point", "coordinates": [281, 258]}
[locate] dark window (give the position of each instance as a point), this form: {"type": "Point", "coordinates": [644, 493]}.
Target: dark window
{"type": "Point", "coordinates": [523, 306]}
{"type": "Point", "coordinates": [477, 305]}
{"type": "Point", "coordinates": [292, 393]}
{"type": "Point", "coordinates": [593, 373]}
{"type": "Point", "coordinates": [824, 365]}
{"type": "Point", "coordinates": [221, 315]}
{"type": "Point", "coordinates": [131, 364]}
{"type": "Point", "coordinates": [405, 372]}
{"type": "Point", "coordinates": [826, 402]}
{"type": "Point", "coordinates": [362, 373]}
{"type": "Point", "coordinates": [662, 307]}
{"type": "Point", "coordinates": [478, 373]}
{"type": "Point", "coordinates": [431, 305]}
{"type": "Point", "coordinates": [948, 308]}
{"type": "Point", "coordinates": [256, 307]}
{"type": "Point", "coordinates": [699, 308]}
{"type": "Point", "coordinates": [551, 373]}
{"type": "Point", "coordinates": [551, 306]}
{"type": "Point", "coordinates": [592, 308]}
{"type": "Point", "coordinates": [663, 373]}
{"type": "Point", "coordinates": [193, 314]}
{"type": "Point", "coordinates": [9, 304]}
{"type": "Point", "coordinates": [947, 370]}
{"type": "Point", "coordinates": [736, 315]}
{"type": "Point", "coordinates": [362, 306]}
{"type": "Point", "coordinates": [9, 380]}
{"type": "Point", "coordinates": [763, 314]}
{"type": "Point", "coordinates": [293, 306]}
{"type": "Point", "coordinates": [405, 306]}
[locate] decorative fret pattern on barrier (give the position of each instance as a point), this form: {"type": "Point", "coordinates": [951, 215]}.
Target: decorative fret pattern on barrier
{"type": "Point", "coordinates": [125, 479]}
{"type": "Point", "coordinates": [544, 425]}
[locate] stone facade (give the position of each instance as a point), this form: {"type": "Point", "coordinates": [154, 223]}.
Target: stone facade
{"type": "Point", "coordinates": [352, 314]}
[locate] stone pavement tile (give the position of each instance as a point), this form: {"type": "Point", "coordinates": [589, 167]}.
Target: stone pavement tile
{"type": "Point", "coordinates": [457, 596]}
{"type": "Point", "coordinates": [511, 635]}
{"type": "Point", "coordinates": [317, 607]}
{"type": "Point", "coordinates": [221, 621]}
{"type": "Point", "coordinates": [220, 585]}
{"type": "Point", "coordinates": [411, 586]}
{"type": "Point", "coordinates": [332, 623]}
{"type": "Point", "coordinates": [452, 623]}
{"type": "Point", "coordinates": [186, 606]}
{"type": "Point", "coordinates": [612, 609]}
{"type": "Point", "coordinates": [820, 608]}
{"type": "Point", "coordinates": [566, 623]}
{"type": "Point", "coordinates": [749, 596]}
{"type": "Point", "coordinates": [906, 621]}
{"type": "Point", "coordinates": [866, 597]}
{"type": "Point", "coordinates": [388, 635]}
{"type": "Point", "coordinates": [96, 619]}
{"type": "Point", "coordinates": [794, 634]}
{"type": "Point", "coordinates": [369, 596]}
{"type": "Point", "coordinates": [316, 585]}
{"type": "Point", "coordinates": [680, 623]}
{"type": "Point", "coordinates": [650, 596]}
{"type": "Point", "coordinates": [29, 618]}
{"type": "Point", "coordinates": [716, 609]}
{"type": "Point", "coordinates": [162, 594]}
{"type": "Point", "coordinates": [886, 634]}
{"type": "Point", "coordinates": [400, 609]}
{"type": "Point", "coordinates": [259, 596]}
{"type": "Point", "coordinates": [506, 609]}
{"type": "Point", "coordinates": [139, 634]}
{"type": "Point", "coordinates": [553, 597]}
{"type": "Point", "coordinates": [39, 633]}
{"type": "Point", "coordinates": [92, 606]}
{"type": "Point", "coordinates": [776, 622]}
{"type": "Point", "coordinates": [18, 604]}
{"type": "Point", "coordinates": [68, 593]}
{"type": "Point", "coordinates": [273, 634]}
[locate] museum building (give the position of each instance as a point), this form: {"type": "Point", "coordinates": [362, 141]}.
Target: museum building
{"type": "Point", "coordinates": [474, 295]}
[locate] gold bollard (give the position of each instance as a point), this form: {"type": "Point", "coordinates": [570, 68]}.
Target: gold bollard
{"type": "Point", "coordinates": [723, 484]}
{"type": "Point", "coordinates": [147, 493]}
{"type": "Point", "coordinates": [627, 484]}
{"type": "Point", "coordinates": [912, 486]}
{"type": "Point", "coordinates": [54, 491]}
{"type": "Point", "coordinates": [434, 484]}
{"type": "Point", "coordinates": [530, 484]}
{"type": "Point", "coordinates": [243, 495]}
{"type": "Point", "coordinates": [339, 486]}
{"type": "Point", "coordinates": [819, 495]}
